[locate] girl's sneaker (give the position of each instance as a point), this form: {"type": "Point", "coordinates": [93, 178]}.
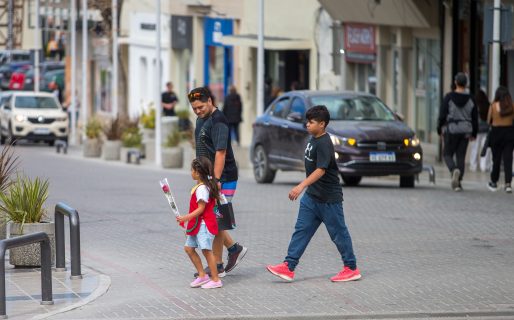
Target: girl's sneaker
{"type": "Point", "coordinates": [212, 284]}
{"type": "Point", "coordinates": [200, 281]}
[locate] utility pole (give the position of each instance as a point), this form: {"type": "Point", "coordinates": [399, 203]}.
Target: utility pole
{"type": "Point", "coordinates": [37, 50]}
{"type": "Point", "coordinates": [495, 61]}
{"type": "Point", "coordinates": [157, 103]}
{"type": "Point", "coordinates": [84, 68]}
{"type": "Point", "coordinates": [260, 60]}
{"type": "Point", "coordinates": [73, 107]}
{"type": "Point", "coordinates": [114, 88]}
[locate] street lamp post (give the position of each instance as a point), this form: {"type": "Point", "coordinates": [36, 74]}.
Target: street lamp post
{"type": "Point", "coordinates": [73, 107]}
{"type": "Point", "coordinates": [37, 49]}
{"type": "Point", "coordinates": [260, 60]}
{"type": "Point", "coordinates": [495, 67]}
{"type": "Point", "coordinates": [157, 103]}
{"type": "Point", "coordinates": [84, 67]}
{"type": "Point", "coordinates": [115, 57]}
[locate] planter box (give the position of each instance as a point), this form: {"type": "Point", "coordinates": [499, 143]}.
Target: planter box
{"type": "Point", "coordinates": [92, 148]}
{"type": "Point", "coordinates": [30, 255]}
{"type": "Point", "coordinates": [172, 157]}
{"type": "Point", "coordinates": [124, 151]}
{"type": "Point", "coordinates": [148, 134]}
{"type": "Point", "coordinates": [111, 150]}
{"type": "Point", "coordinates": [149, 149]}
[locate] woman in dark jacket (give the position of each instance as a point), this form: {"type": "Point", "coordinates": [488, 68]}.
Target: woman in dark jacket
{"type": "Point", "coordinates": [233, 108]}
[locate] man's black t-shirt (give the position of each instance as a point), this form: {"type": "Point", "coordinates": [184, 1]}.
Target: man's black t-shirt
{"type": "Point", "coordinates": [319, 153]}
{"type": "Point", "coordinates": [211, 135]}
{"type": "Point", "coordinates": [168, 97]}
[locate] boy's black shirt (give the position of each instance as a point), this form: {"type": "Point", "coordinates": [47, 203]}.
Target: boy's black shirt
{"type": "Point", "coordinates": [319, 153]}
{"type": "Point", "coordinates": [211, 135]}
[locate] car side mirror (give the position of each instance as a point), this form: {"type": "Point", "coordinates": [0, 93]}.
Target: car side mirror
{"type": "Point", "coordinates": [295, 117]}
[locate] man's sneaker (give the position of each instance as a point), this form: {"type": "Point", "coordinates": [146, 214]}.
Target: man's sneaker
{"type": "Point", "coordinates": [212, 285]}
{"type": "Point", "coordinates": [492, 186]}
{"type": "Point", "coordinates": [282, 271]}
{"type": "Point", "coordinates": [455, 179]}
{"type": "Point", "coordinates": [221, 272]}
{"type": "Point", "coordinates": [459, 188]}
{"type": "Point", "coordinates": [236, 257]}
{"type": "Point", "coordinates": [200, 281]}
{"type": "Point", "coordinates": [346, 274]}
{"type": "Point", "coordinates": [508, 188]}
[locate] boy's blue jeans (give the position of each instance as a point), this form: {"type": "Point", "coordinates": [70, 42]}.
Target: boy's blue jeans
{"type": "Point", "coordinates": [311, 214]}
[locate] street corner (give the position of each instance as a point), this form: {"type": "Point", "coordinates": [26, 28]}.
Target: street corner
{"type": "Point", "coordinates": [23, 292]}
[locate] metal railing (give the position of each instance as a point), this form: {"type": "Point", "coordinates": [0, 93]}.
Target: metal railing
{"type": "Point", "coordinates": [62, 210]}
{"type": "Point", "coordinates": [46, 265]}
{"type": "Point", "coordinates": [431, 173]}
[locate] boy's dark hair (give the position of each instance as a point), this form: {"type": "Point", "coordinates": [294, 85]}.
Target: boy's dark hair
{"type": "Point", "coordinates": [200, 93]}
{"type": "Point", "coordinates": [318, 113]}
{"type": "Point", "coordinates": [204, 168]}
{"type": "Point", "coordinates": [461, 79]}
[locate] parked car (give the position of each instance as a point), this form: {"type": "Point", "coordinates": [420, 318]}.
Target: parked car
{"type": "Point", "coordinates": [35, 116]}
{"type": "Point", "coordinates": [18, 78]}
{"type": "Point", "coordinates": [6, 71]}
{"type": "Point", "coordinates": [369, 138]}
{"type": "Point", "coordinates": [56, 76]}
{"type": "Point", "coordinates": [45, 68]}
{"type": "Point", "coordinates": [8, 56]}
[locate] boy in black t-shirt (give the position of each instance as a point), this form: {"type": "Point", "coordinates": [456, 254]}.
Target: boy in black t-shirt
{"type": "Point", "coordinates": [322, 202]}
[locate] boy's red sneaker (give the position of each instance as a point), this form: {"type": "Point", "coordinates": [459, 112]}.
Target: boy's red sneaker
{"type": "Point", "coordinates": [282, 271]}
{"type": "Point", "coordinates": [347, 274]}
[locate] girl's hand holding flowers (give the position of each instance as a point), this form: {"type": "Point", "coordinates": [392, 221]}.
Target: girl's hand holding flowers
{"type": "Point", "coordinates": [183, 219]}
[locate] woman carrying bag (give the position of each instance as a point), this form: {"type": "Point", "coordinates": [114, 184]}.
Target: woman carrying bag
{"type": "Point", "coordinates": [501, 118]}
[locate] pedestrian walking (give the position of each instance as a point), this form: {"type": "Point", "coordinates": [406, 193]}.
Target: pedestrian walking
{"type": "Point", "coordinates": [212, 141]}
{"type": "Point", "coordinates": [169, 100]}
{"type": "Point", "coordinates": [232, 110]}
{"type": "Point", "coordinates": [477, 145]}
{"type": "Point", "coordinates": [322, 202]}
{"type": "Point", "coordinates": [201, 223]}
{"type": "Point", "coordinates": [458, 124]}
{"type": "Point", "coordinates": [501, 117]}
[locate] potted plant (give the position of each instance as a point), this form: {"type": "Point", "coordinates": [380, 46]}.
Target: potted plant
{"type": "Point", "coordinates": [172, 153]}
{"type": "Point", "coordinates": [147, 121]}
{"type": "Point", "coordinates": [23, 204]}
{"type": "Point", "coordinates": [131, 139]}
{"type": "Point", "coordinates": [93, 144]}
{"type": "Point", "coordinates": [8, 165]}
{"type": "Point", "coordinates": [184, 124]}
{"type": "Point", "coordinates": [111, 148]}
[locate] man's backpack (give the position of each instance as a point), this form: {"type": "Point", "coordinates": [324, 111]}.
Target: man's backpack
{"type": "Point", "coordinates": [459, 119]}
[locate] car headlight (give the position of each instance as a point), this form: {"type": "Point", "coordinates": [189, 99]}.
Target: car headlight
{"type": "Point", "coordinates": [337, 141]}
{"type": "Point", "coordinates": [413, 142]}
{"type": "Point", "coordinates": [20, 118]}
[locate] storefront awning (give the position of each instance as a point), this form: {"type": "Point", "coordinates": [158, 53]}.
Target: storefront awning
{"type": "Point", "coordinates": [404, 13]}
{"type": "Point", "coordinates": [270, 43]}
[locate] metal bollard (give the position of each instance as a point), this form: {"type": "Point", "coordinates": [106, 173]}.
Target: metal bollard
{"type": "Point", "coordinates": [136, 154]}
{"type": "Point", "coordinates": [46, 266]}
{"type": "Point", "coordinates": [60, 144]}
{"type": "Point", "coordinates": [61, 210]}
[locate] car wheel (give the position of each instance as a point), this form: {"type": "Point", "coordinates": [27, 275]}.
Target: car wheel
{"type": "Point", "coordinates": [406, 181]}
{"type": "Point", "coordinates": [261, 169]}
{"type": "Point", "coordinates": [2, 137]}
{"type": "Point", "coordinates": [351, 180]}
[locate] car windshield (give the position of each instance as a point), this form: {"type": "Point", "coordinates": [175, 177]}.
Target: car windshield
{"type": "Point", "coordinates": [36, 103]}
{"type": "Point", "coordinates": [354, 108]}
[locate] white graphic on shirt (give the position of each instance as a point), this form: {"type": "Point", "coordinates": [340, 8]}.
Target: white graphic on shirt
{"type": "Point", "coordinates": [308, 150]}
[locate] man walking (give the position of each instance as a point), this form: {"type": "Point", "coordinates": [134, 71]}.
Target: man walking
{"type": "Point", "coordinates": [458, 123]}
{"type": "Point", "coordinates": [212, 141]}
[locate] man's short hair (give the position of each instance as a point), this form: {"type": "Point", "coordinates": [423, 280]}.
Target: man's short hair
{"type": "Point", "coordinates": [318, 113]}
{"type": "Point", "coordinates": [200, 93]}
{"type": "Point", "coordinates": [461, 79]}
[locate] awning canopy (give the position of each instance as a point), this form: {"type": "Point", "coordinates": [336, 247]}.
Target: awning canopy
{"type": "Point", "coordinates": [404, 13]}
{"type": "Point", "coordinates": [270, 43]}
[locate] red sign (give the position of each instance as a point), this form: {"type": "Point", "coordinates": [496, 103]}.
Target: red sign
{"type": "Point", "coordinates": [359, 38]}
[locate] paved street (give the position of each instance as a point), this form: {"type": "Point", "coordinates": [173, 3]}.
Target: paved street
{"type": "Point", "coordinates": [426, 252]}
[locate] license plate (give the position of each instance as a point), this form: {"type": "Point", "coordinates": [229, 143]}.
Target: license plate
{"type": "Point", "coordinates": [41, 131]}
{"type": "Point", "coordinates": [382, 157]}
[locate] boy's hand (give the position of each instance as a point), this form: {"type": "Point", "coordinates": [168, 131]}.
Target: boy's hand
{"type": "Point", "coordinates": [183, 219]}
{"type": "Point", "coordinates": [295, 192]}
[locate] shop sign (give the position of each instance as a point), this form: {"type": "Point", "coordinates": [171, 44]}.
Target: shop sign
{"type": "Point", "coordinates": [359, 43]}
{"type": "Point", "coordinates": [181, 32]}
{"type": "Point", "coordinates": [215, 29]}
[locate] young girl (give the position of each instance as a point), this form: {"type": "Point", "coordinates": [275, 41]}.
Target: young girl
{"type": "Point", "coordinates": [201, 223]}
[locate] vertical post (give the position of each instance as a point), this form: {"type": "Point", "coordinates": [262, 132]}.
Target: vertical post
{"type": "Point", "coordinates": [37, 50]}
{"type": "Point", "coordinates": [60, 264]}
{"type": "Point", "coordinates": [10, 24]}
{"type": "Point", "coordinates": [46, 272]}
{"type": "Point", "coordinates": [157, 103]}
{"type": "Point", "coordinates": [75, 246]}
{"type": "Point", "coordinates": [495, 61]}
{"type": "Point", "coordinates": [84, 68]}
{"type": "Point", "coordinates": [3, 312]}
{"type": "Point", "coordinates": [73, 107]}
{"type": "Point", "coordinates": [260, 60]}
{"type": "Point", "coordinates": [114, 88]}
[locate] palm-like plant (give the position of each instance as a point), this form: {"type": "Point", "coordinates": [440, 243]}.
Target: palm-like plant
{"type": "Point", "coordinates": [23, 203]}
{"type": "Point", "coordinates": [8, 165]}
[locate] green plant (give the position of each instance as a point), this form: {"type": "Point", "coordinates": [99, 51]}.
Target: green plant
{"type": "Point", "coordinates": [8, 164]}
{"type": "Point", "coordinates": [93, 128]}
{"type": "Point", "coordinates": [173, 139]}
{"type": "Point", "coordinates": [23, 203]}
{"type": "Point", "coordinates": [183, 114]}
{"type": "Point", "coordinates": [114, 129]}
{"type": "Point", "coordinates": [131, 137]}
{"type": "Point", "coordinates": [148, 119]}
